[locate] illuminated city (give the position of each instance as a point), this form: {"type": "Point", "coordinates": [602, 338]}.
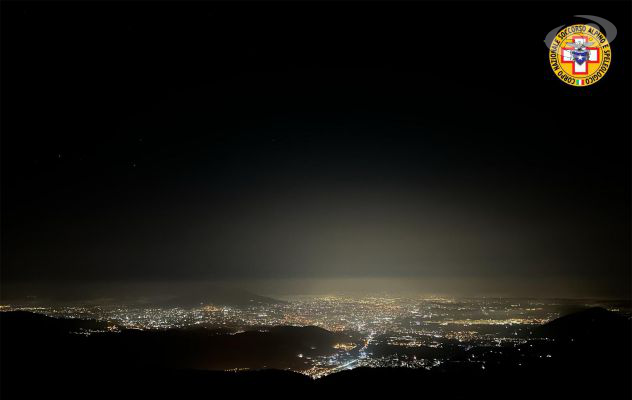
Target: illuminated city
{"type": "Point", "coordinates": [382, 331]}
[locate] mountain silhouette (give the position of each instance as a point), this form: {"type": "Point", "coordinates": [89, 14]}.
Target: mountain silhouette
{"type": "Point", "coordinates": [218, 297]}
{"type": "Point", "coordinates": [592, 324]}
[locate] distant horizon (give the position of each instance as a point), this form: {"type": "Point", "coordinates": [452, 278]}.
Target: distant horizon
{"type": "Point", "coordinates": [117, 291]}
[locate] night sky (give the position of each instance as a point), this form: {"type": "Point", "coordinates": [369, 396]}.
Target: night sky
{"type": "Point", "coordinates": [287, 142]}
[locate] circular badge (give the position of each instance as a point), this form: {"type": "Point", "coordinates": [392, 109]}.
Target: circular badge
{"type": "Point", "coordinates": [580, 55]}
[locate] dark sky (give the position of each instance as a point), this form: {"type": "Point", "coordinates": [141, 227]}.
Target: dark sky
{"type": "Point", "coordinates": [234, 141]}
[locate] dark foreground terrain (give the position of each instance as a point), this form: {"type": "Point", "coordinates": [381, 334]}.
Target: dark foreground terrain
{"type": "Point", "coordinates": [590, 357]}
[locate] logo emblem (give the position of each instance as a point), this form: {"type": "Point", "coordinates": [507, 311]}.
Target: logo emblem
{"type": "Point", "coordinates": [580, 55]}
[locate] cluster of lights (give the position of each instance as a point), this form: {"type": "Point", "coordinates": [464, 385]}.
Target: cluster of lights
{"type": "Point", "coordinates": [369, 321]}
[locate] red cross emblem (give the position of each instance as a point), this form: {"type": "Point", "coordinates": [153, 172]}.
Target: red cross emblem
{"type": "Point", "coordinates": [580, 66]}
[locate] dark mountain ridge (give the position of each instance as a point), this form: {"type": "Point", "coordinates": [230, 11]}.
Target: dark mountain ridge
{"type": "Point", "coordinates": [594, 323]}
{"type": "Point", "coordinates": [231, 298]}
{"type": "Point", "coordinates": [198, 295]}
